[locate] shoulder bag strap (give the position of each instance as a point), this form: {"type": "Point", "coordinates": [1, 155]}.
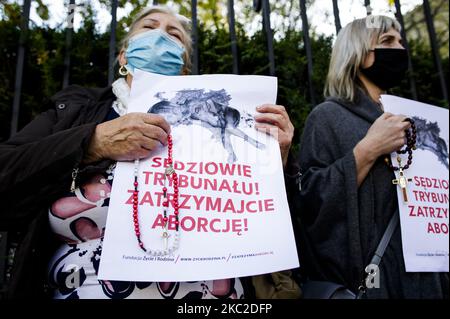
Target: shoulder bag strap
{"type": "Point", "coordinates": [376, 259]}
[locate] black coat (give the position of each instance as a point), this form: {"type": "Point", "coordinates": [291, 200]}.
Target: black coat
{"type": "Point", "coordinates": [35, 170]}
{"type": "Point", "coordinates": [341, 224]}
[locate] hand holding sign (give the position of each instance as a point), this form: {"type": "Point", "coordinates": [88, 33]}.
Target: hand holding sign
{"type": "Point", "coordinates": [131, 136]}
{"type": "Point", "coordinates": [274, 120]}
{"type": "Point", "coordinates": [234, 217]}
{"type": "Point", "coordinates": [424, 218]}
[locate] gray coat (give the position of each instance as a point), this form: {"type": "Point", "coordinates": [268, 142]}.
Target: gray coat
{"type": "Point", "coordinates": [342, 224]}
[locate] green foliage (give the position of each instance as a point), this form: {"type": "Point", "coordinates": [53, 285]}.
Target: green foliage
{"type": "Point", "coordinates": [425, 75]}
{"type": "Point", "coordinates": [42, 10]}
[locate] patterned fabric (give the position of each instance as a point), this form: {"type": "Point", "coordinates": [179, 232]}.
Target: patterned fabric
{"type": "Point", "coordinates": [84, 258]}
{"type": "Point", "coordinates": [79, 220]}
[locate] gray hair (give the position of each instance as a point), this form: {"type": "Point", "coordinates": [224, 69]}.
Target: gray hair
{"type": "Point", "coordinates": [185, 23]}
{"type": "Point", "coordinates": [349, 53]}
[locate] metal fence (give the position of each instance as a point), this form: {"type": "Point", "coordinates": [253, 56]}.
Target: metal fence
{"type": "Point", "coordinates": [260, 6]}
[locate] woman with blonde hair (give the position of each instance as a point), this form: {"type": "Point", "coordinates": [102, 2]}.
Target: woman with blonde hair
{"type": "Point", "coordinates": [347, 197]}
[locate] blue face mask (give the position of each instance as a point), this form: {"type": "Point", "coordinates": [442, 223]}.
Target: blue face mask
{"type": "Point", "coordinates": [156, 52]}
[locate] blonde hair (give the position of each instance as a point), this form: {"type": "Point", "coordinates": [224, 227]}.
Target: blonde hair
{"type": "Point", "coordinates": [185, 23]}
{"type": "Point", "coordinates": [349, 53]}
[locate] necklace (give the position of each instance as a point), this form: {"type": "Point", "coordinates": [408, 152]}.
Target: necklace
{"type": "Point", "coordinates": [402, 180]}
{"type": "Point", "coordinates": [170, 171]}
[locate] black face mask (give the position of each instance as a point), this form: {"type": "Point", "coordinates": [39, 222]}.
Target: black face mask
{"type": "Point", "coordinates": [389, 68]}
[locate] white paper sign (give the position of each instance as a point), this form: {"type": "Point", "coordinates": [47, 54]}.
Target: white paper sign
{"type": "Point", "coordinates": [424, 218]}
{"type": "Point", "coordinates": [234, 215]}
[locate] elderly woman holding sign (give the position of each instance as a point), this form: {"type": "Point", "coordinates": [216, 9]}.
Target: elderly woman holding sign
{"type": "Point", "coordinates": [349, 209]}
{"type": "Point", "coordinates": [56, 174]}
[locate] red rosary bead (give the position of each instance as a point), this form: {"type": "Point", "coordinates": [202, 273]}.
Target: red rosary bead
{"type": "Point", "coordinates": [174, 182]}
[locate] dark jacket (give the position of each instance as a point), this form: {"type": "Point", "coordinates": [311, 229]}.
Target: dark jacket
{"type": "Point", "coordinates": [36, 168]}
{"type": "Point", "coordinates": [36, 165]}
{"type": "Point", "coordinates": [341, 224]}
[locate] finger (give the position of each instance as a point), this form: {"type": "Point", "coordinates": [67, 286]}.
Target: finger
{"type": "Point", "coordinates": [386, 115]}
{"type": "Point", "coordinates": [401, 140]}
{"type": "Point", "coordinates": [149, 143]}
{"type": "Point", "coordinates": [400, 118]}
{"type": "Point", "coordinates": [400, 143]}
{"type": "Point", "coordinates": [403, 116]}
{"type": "Point", "coordinates": [406, 125]}
{"type": "Point", "coordinates": [272, 108]}
{"type": "Point", "coordinates": [268, 129]}
{"type": "Point", "coordinates": [155, 132]}
{"type": "Point", "coordinates": [274, 119]}
{"type": "Point", "coordinates": [399, 121]}
{"type": "Point", "coordinates": [402, 124]}
{"type": "Point", "coordinates": [143, 153]}
{"type": "Point", "coordinates": [157, 120]}
{"type": "Point", "coordinates": [408, 119]}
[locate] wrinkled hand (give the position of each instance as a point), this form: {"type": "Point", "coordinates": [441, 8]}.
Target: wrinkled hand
{"type": "Point", "coordinates": [386, 135]}
{"type": "Point", "coordinates": [128, 137]}
{"type": "Point", "coordinates": [274, 120]}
